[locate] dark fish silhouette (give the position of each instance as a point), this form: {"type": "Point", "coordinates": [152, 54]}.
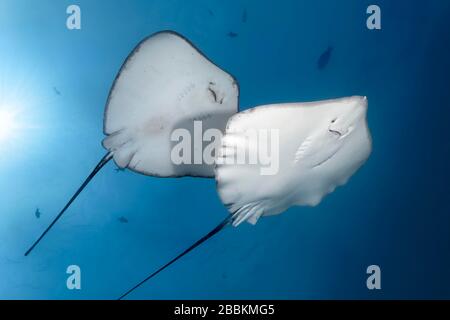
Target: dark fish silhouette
{"type": "Point", "coordinates": [56, 91]}
{"type": "Point", "coordinates": [324, 58]}
{"type": "Point", "coordinates": [244, 16]}
{"type": "Point", "coordinates": [211, 13]}
{"type": "Point", "coordinates": [37, 213]}
{"type": "Point", "coordinates": [123, 220]}
{"type": "Point", "coordinates": [232, 34]}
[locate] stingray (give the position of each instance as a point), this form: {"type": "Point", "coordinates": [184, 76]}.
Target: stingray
{"type": "Point", "coordinates": [320, 146]}
{"type": "Point", "coordinates": [166, 83]}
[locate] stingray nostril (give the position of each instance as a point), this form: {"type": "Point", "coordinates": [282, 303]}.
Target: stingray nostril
{"type": "Point", "coordinates": [213, 93]}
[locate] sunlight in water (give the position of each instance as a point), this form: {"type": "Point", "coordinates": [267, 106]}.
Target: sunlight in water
{"type": "Point", "coordinates": [20, 107]}
{"type": "Point", "coordinates": [8, 123]}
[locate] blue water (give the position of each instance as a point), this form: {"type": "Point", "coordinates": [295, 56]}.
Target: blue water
{"type": "Point", "coordinates": [394, 212]}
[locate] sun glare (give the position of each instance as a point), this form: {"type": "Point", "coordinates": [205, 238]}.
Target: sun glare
{"type": "Point", "coordinates": [7, 124]}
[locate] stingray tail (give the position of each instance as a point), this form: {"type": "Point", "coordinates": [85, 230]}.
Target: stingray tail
{"type": "Point", "coordinates": [99, 166]}
{"type": "Point", "coordinates": [210, 234]}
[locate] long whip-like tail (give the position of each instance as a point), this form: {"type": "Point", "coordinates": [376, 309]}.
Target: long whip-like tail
{"type": "Point", "coordinates": [99, 166]}
{"type": "Point", "coordinates": [214, 231]}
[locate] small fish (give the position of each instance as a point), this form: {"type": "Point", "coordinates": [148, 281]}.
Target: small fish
{"type": "Point", "coordinates": [244, 16]}
{"type": "Point", "coordinates": [119, 169]}
{"type": "Point", "coordinates": [57, 92]}
{"type": "Point", "coordinates": [123, 220]}
{"type": "Point", "coordinates": [37, 213]}
{"type": "Point", "coordinates": [324, 58]}
{"type": "Point", "coordinates": [211, 13]}
{"type": "Point", "coordinates": [232, 34]}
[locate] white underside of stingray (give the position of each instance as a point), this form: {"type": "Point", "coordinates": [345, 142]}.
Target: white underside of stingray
{"type": "Point", "coordinates": [321, 145]}
{"type": "Point", "coordinates": [165, 84]}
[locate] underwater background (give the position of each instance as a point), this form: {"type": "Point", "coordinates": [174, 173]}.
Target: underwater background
{"type": "Point", "coordinates": [394, 212]}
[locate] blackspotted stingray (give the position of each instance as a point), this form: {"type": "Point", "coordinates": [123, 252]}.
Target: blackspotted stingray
{"type": "Point", "coordinates": [164, 84]}
{"type": "Point", "coordinates": [320, 146]}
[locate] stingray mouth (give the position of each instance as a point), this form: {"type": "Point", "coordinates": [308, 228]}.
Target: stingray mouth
{"type": "Point", "coordinates": [340, 134]}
